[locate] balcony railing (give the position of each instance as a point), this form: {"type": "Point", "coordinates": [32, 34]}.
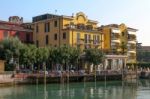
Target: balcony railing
{"type": "Point", "coordinates": [116, 31]}
{"type": "Point", "coordinates": [131, 42]}
{"type": "Point", "coordinates": [116, 41]}
{"type": "Point", "coordinates": [131, 32]}
{"type": "Point", "coordinates": [88, 42]}
{"type": "Point", "coordinates": [132, 51]}
{"type": "Point", "coordinates": [81, 27]}
{"type": "Point", "coordinates": [131, 39]}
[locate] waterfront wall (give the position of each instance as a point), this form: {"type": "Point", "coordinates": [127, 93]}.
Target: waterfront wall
{"type": "Point", "coordinates": [6, 78]}
{"type": "Point", "coordinates": [66, 79]}
{"type": "Point", "coordinates": [145, 75]}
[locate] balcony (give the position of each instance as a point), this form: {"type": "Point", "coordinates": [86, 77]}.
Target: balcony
{"type": "Point", "coordinates": [132, 51]}
{"type": "Point", "coordinates": [131, 37]}
{"type": "Point", "coordinates": [130, 60]}
{"type": "Point", "coordinates": [116, 31]}
{"type": "Point", "coordinates": [132, 42]}
{"type": "Point", "coordinates": [80, 27]}
{"type": "Point", "coordinates": [115, 36]}
{"type": "Point", "coordinates": [131, 33]}
{"type": "Point", "coordinates": [88, 42]}
{"type": "Point", "coordinates": [131, 47]}
{"type": "Point", "coordinates": [115, 41]}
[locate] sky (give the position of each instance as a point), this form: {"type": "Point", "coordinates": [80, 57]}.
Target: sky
{"type": "Point", "coordinates": [134, 13]}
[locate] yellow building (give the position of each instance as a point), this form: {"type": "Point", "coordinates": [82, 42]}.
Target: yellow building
{"type": "Point", "coordinates": [120, 39]}
{"type": "Point", "coordinates": [76, 31]}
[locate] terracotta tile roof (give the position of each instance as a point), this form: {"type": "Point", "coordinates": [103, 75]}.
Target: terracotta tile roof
{"type": "Point", "coordinates": [15, 27]}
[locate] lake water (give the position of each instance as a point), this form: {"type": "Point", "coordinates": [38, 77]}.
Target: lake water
{"type": "Point", "coordinates": [87, 90]}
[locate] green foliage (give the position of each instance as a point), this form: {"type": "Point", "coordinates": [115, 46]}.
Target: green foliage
{"type": "Point", "coordinates": [94, 56]}
{"type": "Point", "coordinates": [143, 56]}
{"type": "Point", "coordinates": [144, 64]}
{"type": "Point", "coordinates": [55, 55]}
{"type": "Point", "coordinates": [29, 54]}
{"type": "Point", "coordinates": [9, 48]}
{"type": "Point", "coordinates": [64, 54]}
{"type": "Point", "coordinates": [42, 54]}
{"type": "Point", "coordinates": [74, 55]}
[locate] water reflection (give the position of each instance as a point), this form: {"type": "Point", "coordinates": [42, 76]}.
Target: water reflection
{"type": "Point", "coordinates": [99, 90]}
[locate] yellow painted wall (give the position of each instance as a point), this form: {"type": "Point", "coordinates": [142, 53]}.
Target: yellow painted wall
{"type": "Point", "coordinates": [122, 38]}
{"type": "Point", "coordinates": [73, 38]}
{"type": "Point", "coordinates": [107, 38]}
{"type": "Point", "coordinates": [79, 18]}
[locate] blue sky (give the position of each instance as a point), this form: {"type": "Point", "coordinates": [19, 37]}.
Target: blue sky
{"type": "Point", "coordinates": [134, 13]}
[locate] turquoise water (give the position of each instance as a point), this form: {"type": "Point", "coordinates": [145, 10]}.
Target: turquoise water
{"type": "Point", "coordinates": [87, 90]}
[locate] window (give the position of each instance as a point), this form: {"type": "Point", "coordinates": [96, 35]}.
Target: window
{"type": "Point", "coordinates": [47, 27]}
{"type": "Point", "coordinates": [27, 37]}
{"type": "Point", "coordinates": [46, 40]}
{"type": "Point", "coordinates": [85, 37]}
{"type": "Point", "coordinates": [89, 38]}
{"type": "Point", "coordinates": [55, 36]}
{"type": "Point", "coordinates": [5, 34]}
{"type": "Point", "coordinates": [55, 23]}
{"type": "Point", "coordinates": [113, 35]}
{"type": "Point", "coordinates": [37, 43]}
{"type": "Point", "coordinates": [123, 33]}
{"type": "Point", "coordinates": [37, 28]}
{"type": "Point", "coordinates": [64, 35]}
{"type": "Point", "coordinates": [94, 39]}
{"type": "Point", "coordinates": [98, 39]}
{"type": "Point", "coordinates": [17, 34]}
{"type": "Point", "coordinates": [78, 37]}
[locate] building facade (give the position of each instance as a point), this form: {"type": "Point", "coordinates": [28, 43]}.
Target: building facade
{"type": "Point", "coordinates": [143, 53]}
{"type": "Point", "coordinates": [76, 31]}
{"type": "Point", "coordinates": [120, 39]}
{"type": "Point", "coordinates": [15, 28]}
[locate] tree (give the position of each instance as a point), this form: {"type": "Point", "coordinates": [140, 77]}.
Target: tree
{"type": "Point", "coordinates": [42, 55]}
{"type": "Point", "coordinates": [28, 55]}
{"type": "Point", "coordinates": [94, 56]}
{"type": "Point", "coordinates": [74, 56]}
{"type": "Point", "coordinates": [65, 55]}
{"type": "Point", "coordinates": [55, 56]}
{"type": "Point", "coordinates": [10, 50]}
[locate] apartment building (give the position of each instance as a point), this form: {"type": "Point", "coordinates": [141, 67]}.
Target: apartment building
{"type": "Point", "coordinates": [76, 31]}
{"type": "Point", "coordinates": [120, 39]}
